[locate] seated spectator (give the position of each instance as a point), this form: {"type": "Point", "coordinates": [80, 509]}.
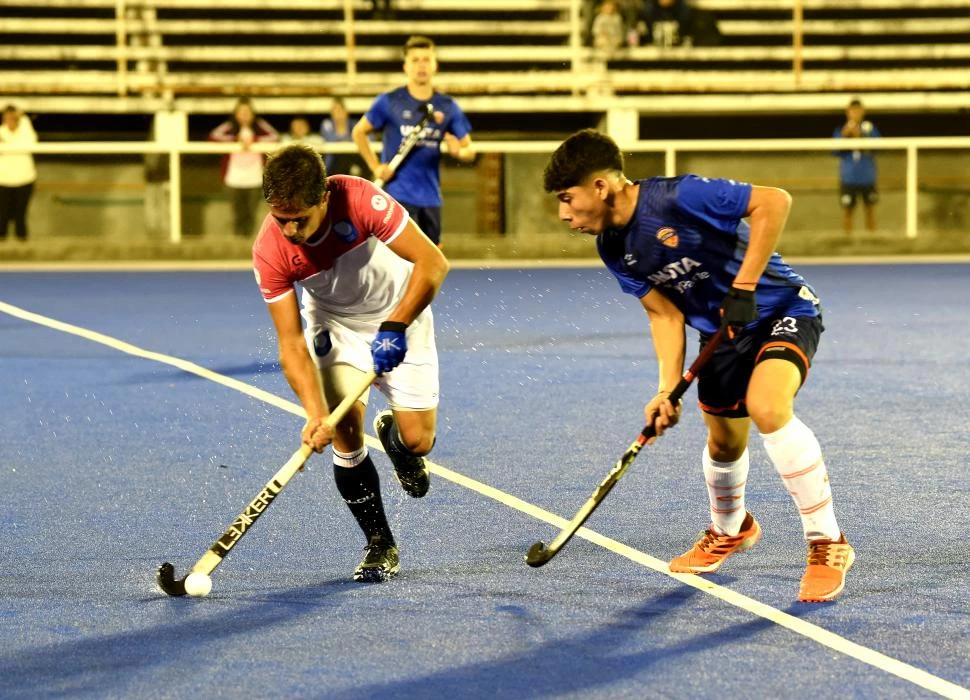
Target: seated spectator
{"type": "Point", "coordinates": [609, 34]}
{"type": "Point", "coordinates": [300, 133]}
{"type": "Point", "coordinates": [338, 128]}
{"type": "Point", "coordinates": [242, 171]}
{"type": "Point", "coordinates": [667, 22]}
{"type": "Point", "coordinates": [17, 173]}
{"type": "Point", "coordinates": [676, 23]}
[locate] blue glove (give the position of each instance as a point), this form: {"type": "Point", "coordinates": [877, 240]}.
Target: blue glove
{"type": "Point", "coordinates": [389, 347]}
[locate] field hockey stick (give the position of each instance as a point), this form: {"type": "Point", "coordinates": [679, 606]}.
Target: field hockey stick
{"type": "Point", "coordinates": [539, 553]}
{"type": "Point", "coordinates": [409, 142]}
{"type": "Point", "coordinates": [244, 521]}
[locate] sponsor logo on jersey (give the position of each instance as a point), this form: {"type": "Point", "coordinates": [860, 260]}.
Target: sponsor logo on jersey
{"type": "Point", "coordinates": [629, 260]}
{"type": "Point", "coordinates": [668, 237]}
{"type": "Point", "coordinates": [345, 230]}
{"type": "Point", "coordinates": [674, 270]}
{"type": "Point", "coordinates": [379, 202]}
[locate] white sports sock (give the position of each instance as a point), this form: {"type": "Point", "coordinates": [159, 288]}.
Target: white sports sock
{"type": "Point", "coordinates": [725, 490]}
{"type": "Point", "coordinates": [797, 456]}
{"type": "Point", "coordinates": [349, 459]}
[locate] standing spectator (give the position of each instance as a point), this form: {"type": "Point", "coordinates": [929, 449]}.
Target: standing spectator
{"type": "Point", "coordinates": [629, 11]}
{"type": "Point", "coordinates": [242, 171]}
{"type": "Point", "coordinates": [416, 183]}
{"type": "Point", "coordinates": [338, 128]}
{"type": "Point", "coordinates": [609, 34]}
{"type": "Point", "coordinates": [857, 169]}
{"type": "Point", "coordinates": [17, 172]}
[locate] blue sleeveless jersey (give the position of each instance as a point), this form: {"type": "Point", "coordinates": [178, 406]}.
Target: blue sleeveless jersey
{"type": "Point", "coordinates": [687, 239]}
{"type": "Point", "coordinates": [416, 181]}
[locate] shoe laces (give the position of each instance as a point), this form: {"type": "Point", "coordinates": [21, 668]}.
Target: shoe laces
{"type": "Point", "coordinates": [827, 554]}
{"type": "Point", "coordinates": [710, 541]}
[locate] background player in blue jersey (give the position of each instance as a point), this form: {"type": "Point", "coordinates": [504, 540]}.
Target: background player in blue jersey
{"type": "Point", "coordinates": [857, 169]}
{"type": "Point", "coordinates": [416, 184]}
{"type": "Point", "coordinates": [682, 247]}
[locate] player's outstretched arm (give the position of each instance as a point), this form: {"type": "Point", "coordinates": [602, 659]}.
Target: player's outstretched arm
{"type": "Point", "coordinates": [430, 270]}
{"type": "Point", "coordinates": [300, 371]}
{"type": "Point", "coordinates": [668, 333]}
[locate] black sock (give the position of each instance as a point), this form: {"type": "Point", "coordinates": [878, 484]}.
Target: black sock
{"type": "Point", "coordinates": [360, 487]}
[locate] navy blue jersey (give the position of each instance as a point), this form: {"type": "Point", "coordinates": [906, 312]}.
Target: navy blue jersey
{"type": "Point", "coordinates": [687, 239]}
{"type": "Point", "coordinates": [858, 168]}
{"type": "Point", "coordinates": [396, 112]}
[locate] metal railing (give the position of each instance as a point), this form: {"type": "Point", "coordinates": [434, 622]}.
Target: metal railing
{"type": "Point", "coordinates": [671, 150]}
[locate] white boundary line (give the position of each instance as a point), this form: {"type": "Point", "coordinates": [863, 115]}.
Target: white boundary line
{"type": "Point", "coordinates": [815, 633]}
{"type": "Point", "coordinates": [459, 264]}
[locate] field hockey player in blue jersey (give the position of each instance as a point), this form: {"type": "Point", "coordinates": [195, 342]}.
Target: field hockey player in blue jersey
{"type": "Point", "coordinates": [700, 252]}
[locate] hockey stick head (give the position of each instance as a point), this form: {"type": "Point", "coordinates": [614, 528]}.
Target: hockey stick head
{"type": "Point", "coordinates": [167, 581]}
{"type": "Point", "coordinates": [538, 554]}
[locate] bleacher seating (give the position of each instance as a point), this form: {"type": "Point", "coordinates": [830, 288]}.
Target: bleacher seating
{"type": "Point", "coordinates": [139, 53]}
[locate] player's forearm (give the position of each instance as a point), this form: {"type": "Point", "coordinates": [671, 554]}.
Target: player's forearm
{"type": "Point", "coordinates": [423, 285]}
{"type": "Point", "coordinates": [302, 375]}
{"type": "Point", "coordinates": [364, 148]}
{"type": "Point", "coordinates": [669, 344]}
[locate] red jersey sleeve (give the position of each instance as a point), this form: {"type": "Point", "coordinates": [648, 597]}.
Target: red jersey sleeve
{"type": "Point", "coordinates": [270, 266]}
{"type": "Point", "coordinates": [377, 212]}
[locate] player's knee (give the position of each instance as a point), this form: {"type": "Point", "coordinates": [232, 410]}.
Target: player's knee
{"type": "Point", "coordinates": [769, 416]}
{"type": "Point", "coordinates": [418, 444]}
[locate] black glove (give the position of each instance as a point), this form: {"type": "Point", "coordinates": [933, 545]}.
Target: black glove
{"type": "Point", "coordinates": [738, 310]}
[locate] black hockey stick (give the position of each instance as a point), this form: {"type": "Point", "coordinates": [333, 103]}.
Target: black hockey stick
{"type": "Point", "coordinates": [240, 526]}
{"type": "Point", "coordinates": [539, 553]}
{"type": "Point", "coordinates": [409, 141]}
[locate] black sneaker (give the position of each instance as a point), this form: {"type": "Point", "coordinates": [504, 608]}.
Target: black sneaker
{"type": "Point", "coordinates": [409, 470]}
{"type": "Point", "coordinates": [380, 563]}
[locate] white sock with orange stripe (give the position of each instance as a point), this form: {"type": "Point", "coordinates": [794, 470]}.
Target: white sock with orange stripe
{"type": "Point", "coordinates": [725, 489]}
{"type": "Point", "coordinates": [797, 456]}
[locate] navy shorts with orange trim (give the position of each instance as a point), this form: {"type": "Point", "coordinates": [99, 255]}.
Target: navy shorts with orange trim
{"type": "Point", "coordinates": [723, 382]}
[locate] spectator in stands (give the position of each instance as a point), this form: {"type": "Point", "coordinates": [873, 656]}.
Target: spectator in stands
{"type": "Point", "coordinates": [299, 132]}
{"type": "Point", "coordinates": [17, 172]}
{"type": "Point", "coordinates": [667, 22]}
{"type": "Point", "coordinates": [857, 169]}
{"type": "Point", "coordinates": [609, 32]}
{"type": "Point", "coordinates": [242, 171]}
{"type": "Point", "coordinates": [628, 10]}
{"type": "Point", "coordinates": [416, 182]}
{"type": "Point", "coordinates": [382, 9]}
{"type": "Point", "coordinates": [338, 128]}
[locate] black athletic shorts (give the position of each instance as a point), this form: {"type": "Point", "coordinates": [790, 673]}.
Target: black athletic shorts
{"type": "Point", "coordinates": [723, 382]}
{"type": "Point", "coordinates": [428, 220]}
{"type": "Point", "coordinates": [850, 193]}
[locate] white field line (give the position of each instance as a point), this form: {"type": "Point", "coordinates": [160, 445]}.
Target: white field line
{"type": "Point", "coordinates": [815, 633]}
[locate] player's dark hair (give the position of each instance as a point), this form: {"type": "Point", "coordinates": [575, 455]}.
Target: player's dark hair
{"type": "Point", "coordinates": [416, 42]}
{"type": "Point", "coordinates": [578, 157]}
{"type": "Point", "coordinates": [294, 178]}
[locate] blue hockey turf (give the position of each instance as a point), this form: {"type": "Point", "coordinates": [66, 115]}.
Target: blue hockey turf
{"type": "Point", "coordinates": [113, 462]}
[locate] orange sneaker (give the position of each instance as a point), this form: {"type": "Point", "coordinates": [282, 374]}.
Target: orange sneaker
{"type": "Point", "coordinates": [824, 576]}
{"type": "Point", "coordinates": [711, 549]}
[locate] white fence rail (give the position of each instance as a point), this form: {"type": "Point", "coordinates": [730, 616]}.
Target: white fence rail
{"type": "Point", "coordinates": [670, 150]}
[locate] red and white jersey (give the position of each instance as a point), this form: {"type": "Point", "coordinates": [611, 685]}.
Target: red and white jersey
{"type": "Point", "coordinates": [343, 268]}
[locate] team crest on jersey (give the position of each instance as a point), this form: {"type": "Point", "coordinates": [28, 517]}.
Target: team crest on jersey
{"type": "Point", "coordinates": [668, 237]}
{"type": "Point", "coordinates": [379, 202]}
{"type": "Point", "coordinates": [345, 231]}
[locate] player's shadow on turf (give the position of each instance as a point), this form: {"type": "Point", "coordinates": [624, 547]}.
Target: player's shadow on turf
{"type": "Point", "coordinates": [103, 666]}
{"type": "Point", "coordinates": [581, 664]}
